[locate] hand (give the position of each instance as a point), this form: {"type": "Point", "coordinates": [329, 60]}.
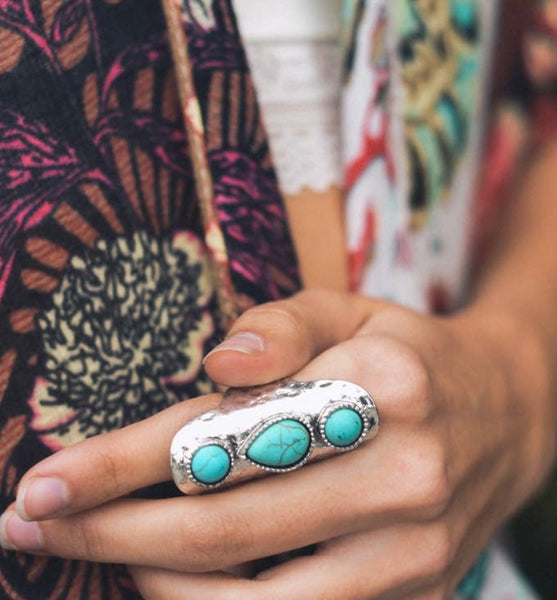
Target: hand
{"type": "Point", "coordinates": [404, 514]}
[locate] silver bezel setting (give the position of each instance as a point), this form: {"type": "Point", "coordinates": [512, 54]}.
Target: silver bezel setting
{"type": "Point", "coordinates": [245, 413]}
{"type": "Point", "coordinates": [329, 410]}
{"type": "Point", "coordinates": [261, 427]}
{"type": "Point", "coordinates": [209, 442]}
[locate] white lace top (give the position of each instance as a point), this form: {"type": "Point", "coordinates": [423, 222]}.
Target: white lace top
{"type": "Point", "coordinates": [295, 56]}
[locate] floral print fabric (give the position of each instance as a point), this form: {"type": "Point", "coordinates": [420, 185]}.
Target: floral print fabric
{"type": "Point", "coordinates": [412, 117]}
{"type": "Point", "coordinates": [107, 287]}
{"type": "Point", "coordinates": [116, 264]}
{"type": "Point", "coordinates": [432, 89]}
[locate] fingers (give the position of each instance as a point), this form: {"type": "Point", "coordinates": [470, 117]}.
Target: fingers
{"type": "Point", "coordinates": [352, 568]}
{"type": "Point", "coordinates": [398, 476]}
{"type": "Point", "coordinates": [391, 372]}
{"type": "Point", "coordinates": [386, 481]}
{"type": "Point", "coordinates": [369, 564]}
{"type": "Point", "coordinates": [115, 464]}
{"type": "Point", "coordinates": [155, 584]}
{"type": "Point", "coordinates": [97, 470]}
{"type": "Point", "coordinates": [106, 467]}
{"type": "Point", "coordinates": [112, 465]}
{"type": "Point", "coordinates": [277, 339]}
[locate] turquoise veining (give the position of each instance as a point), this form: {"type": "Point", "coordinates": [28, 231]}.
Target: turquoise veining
{"type": "Point", "coordinates": [281, 445]}
{"type": "Point", "coordinates": [343, 427]}
{"type": "Point", "coordinates": [210, 464]}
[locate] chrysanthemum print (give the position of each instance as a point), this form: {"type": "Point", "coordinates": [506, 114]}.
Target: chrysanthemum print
{"type": "Point", "coordinates": [107, 301]}
{"type": "Point", "coordinates": [125, 333]}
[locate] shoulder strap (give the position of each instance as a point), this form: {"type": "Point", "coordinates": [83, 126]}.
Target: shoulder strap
{"type": "Point", "coordinates": [195, 131]}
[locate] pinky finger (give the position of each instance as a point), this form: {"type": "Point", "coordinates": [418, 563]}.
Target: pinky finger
{"type": "Point", "coordinates": [159, 584]}
{"type": "Point", "coordinates": [371, 565]}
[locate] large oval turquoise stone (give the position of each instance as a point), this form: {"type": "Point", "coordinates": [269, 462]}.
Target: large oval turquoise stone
{"type": "Point", "coordinates": [343, 427]}
{"type": "Point", "coordinates": [282, 444]}
{"type": "Point", "coordinates": [210, 464]}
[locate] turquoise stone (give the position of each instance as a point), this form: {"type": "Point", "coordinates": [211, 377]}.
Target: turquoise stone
{"type": "Point", "coordinates": [210, 464]}
{"type": "Point", "coordinates": [282, 444]}
{"type": "Point", "coordinates": [343, 427]}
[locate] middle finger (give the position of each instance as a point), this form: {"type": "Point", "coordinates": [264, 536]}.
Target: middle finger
{"type": "Point", "coordinates": [368, 487]}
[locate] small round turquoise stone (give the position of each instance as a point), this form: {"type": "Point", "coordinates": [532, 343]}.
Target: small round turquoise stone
{"type": "Point", "coordinates": [281, 445]}
{"type": "Point", "coordinates": [210, 464]}
{"type": "Point", "coordinates": [343, 427]}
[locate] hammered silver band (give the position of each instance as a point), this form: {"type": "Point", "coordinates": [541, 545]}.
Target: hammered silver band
{"type": "Point", "coordinates": [273, 428]}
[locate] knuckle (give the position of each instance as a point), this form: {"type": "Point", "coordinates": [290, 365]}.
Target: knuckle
{"type": "Point", "coordinates": [413, 391]}
{"type": "Point", "coordinates": [194, 543]}
{"type": "Point", "coordinates": [88, 539]}
{"type": "Point", "coordinates": [109, 455]}
{"type": "Point", "coordinates": [430, 491]}
{"type": "Point", "coordinates": [440, 553]}
{"type": "Point", "coordinates": [237, 536]}
{"type": "Point", "coordinates": [275, 316]}
{"type": "Point", "coordinates": [217, 541]}
{"type": "Point", "coordinates": [419, 382]}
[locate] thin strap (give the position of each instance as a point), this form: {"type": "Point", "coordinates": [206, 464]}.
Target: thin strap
{"type": "Point", "coordinates": [195, 130]}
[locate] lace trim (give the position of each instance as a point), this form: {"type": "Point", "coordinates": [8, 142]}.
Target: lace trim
{"type": "Point", "coordinates": [298, 85]}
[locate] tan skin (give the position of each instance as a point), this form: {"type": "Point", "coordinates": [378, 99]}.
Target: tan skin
{"type": "Point", "coordinates": [467, 435]}
{"type": "Point", "coordinates": [320, 250]}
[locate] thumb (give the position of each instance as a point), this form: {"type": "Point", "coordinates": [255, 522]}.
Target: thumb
{"type": "Point", "coordinates": [277, 339]}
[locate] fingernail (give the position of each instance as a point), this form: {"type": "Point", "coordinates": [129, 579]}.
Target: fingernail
{"type": "Point", "coordinates": [41, 497]}
{"type": "Point", "coordinates": [17, 534]}
{"type": "Point", "coordinates": [4, 542]}
{"type": "Point", "coordinates": [244, 341]}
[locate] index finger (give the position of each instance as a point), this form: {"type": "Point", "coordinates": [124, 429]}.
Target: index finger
{"type": "Point", "coordinates": [111, 465]}
{"type": "Point", "coordinates": [100, 469]}
{"type": "Point", "coordinates": [107, 466]}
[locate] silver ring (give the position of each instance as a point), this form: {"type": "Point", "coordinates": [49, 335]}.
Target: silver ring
{"type": "Point", "coordinates": [274, 428]}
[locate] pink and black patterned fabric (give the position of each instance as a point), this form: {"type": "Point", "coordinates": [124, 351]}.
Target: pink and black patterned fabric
{"type": "Point", "coordinates": [107, 299]}
{"type": "Point", "coordinates": [139, 213]}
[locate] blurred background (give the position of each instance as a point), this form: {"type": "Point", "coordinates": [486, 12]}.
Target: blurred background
{"type": "Point", "coordinates": [524, 105]}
